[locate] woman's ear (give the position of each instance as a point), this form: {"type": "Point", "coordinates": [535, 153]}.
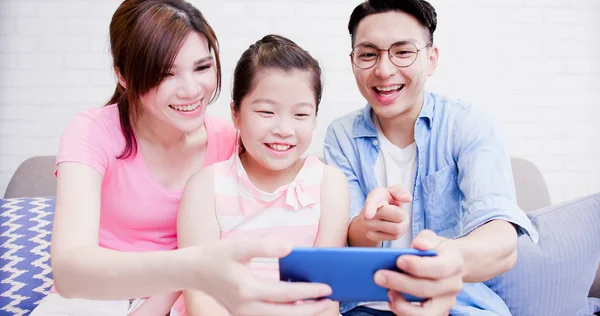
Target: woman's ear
{"type": "Point", "coordinates": [120, 78]}
{"type": "Point", "coordinates": [235, 116]}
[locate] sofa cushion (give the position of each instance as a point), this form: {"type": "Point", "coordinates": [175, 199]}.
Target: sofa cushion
{"type": "Point", "coordinates": [554, 276]}
{"type": "Point", "coordinates": [25, 227]}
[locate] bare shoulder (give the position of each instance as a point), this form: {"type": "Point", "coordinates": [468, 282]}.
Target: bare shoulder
{"type": "Point", "coordinates": [333, 176]}
{"type": "Point", "coordinates": [201, 178]}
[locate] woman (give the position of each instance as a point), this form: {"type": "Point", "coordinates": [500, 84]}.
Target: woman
{"type": "Point", "coordinates": [121, 170]}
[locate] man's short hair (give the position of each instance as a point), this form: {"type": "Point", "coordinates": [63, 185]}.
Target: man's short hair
{"type": "Point", "coordinates": [422, 10]}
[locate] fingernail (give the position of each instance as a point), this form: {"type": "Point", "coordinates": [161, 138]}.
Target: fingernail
{"type": "Point", "coordinates": [326, 291]}
{"type": "Point", "coordinates": [379, 278]}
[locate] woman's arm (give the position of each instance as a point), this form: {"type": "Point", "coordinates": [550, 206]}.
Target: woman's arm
{"type": "Point", "coordinates": [335, 207]}
{"type": "Point", "coordinates": [160, 304]}
{"type": "Point", "coordinates": [196, 225]}
{"type": "Point", "coordinates": [82, 269]}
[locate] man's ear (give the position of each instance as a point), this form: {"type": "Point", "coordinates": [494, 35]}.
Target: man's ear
{"type": "Point", "coordinates": [120, 78]}
{"type": "Point", "coordinates": [234, 115]}
{"type": "Point", "coordinates": [433, 60]}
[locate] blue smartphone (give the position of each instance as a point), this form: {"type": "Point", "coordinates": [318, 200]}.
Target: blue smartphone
{"type": "Point", "coordinates": [348, 271]}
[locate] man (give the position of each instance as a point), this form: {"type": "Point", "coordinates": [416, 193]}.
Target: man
{"type": "Point", "coordinates": [424, 171]}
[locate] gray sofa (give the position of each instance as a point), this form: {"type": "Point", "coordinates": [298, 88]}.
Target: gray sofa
{"type": "Point", "coordinates": [34, 178]}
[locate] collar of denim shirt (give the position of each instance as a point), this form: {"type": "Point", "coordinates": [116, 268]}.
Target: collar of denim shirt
{"type": "Point", "coordinates": [364, 127]}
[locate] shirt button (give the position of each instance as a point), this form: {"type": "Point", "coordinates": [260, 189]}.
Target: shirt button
{"type": "Point", "coordinates": [375, 142]}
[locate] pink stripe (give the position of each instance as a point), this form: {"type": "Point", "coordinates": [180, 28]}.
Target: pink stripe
{"type": "Point", "coordinates": [224, 169]}
{"type": "Point", "coordinates": [231, 205]}
{"type": "Point", "coordinates": [299, 236]}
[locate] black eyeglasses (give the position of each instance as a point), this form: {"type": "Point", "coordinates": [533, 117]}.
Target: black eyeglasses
{"type": "Point", "coordinates": [402, 54]}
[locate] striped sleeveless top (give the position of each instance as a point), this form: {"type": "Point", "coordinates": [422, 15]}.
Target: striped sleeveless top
{"type": "Point", "coordinates": [290, 214]}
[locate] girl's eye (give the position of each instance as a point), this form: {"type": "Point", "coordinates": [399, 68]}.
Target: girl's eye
{"type": "Point", "coordinates": [302, 114]}
{"type": "Point", "coordinates": [265, 112]}
{"type": "Point", "coordinates": [203, 67]}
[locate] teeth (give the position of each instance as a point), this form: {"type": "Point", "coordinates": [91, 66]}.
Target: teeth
{"type": "Point", "coordinates": [279, 147]}
{"type": "Point", "coordinates": [186, 108]}
{"type": "Point", "coordinates": [389, 88]}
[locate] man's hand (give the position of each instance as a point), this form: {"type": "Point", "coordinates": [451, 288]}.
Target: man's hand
{"type": "Point", "coordinates": [382, 218]}
{"type": "Point", "coordinates": [439, 279]}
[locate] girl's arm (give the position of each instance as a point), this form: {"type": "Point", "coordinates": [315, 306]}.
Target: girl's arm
{"type": "Point", "coordinates": [335, 209]}
{"type": "Point", "coordinates": [197, 225]}
{"type": "Point", "coordinates": [82, 269]}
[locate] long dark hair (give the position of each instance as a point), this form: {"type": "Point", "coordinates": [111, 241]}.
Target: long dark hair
{"type": "Point", "coordinates": [145, 37]}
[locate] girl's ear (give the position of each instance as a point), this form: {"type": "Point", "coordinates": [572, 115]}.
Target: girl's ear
{"type": "Point", "coordinates": [120, 78]}
{"type": "Point", "coordinates": [235, 116]}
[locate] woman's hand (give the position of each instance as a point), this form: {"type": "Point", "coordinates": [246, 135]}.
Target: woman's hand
{"type": "Point", "coordinates": [224, 275]}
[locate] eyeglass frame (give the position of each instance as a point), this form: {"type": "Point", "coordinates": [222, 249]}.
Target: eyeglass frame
{"type": "Point", "coordinates": [379, 50]}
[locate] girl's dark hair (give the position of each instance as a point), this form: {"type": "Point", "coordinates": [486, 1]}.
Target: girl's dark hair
{"type": "Point", "coordinates": [421, 10]}
{"type": "Point", "coordinates": [273, 52]}
{"type": "Point", "coordinates": [145, 37]}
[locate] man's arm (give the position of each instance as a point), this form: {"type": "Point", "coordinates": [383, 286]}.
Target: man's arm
{"type": "Point", "coordinates": [334, 156]}
{"type": "Point", "coordinates": [492, 219]}
{"type": "Point", "coordinates": [373, 218]}
{"type": "Point", "coordinates": [486, 246]}
{"type": "Point", "coordinates": [488, 251]}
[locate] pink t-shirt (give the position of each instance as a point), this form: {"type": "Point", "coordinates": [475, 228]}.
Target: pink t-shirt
{"type": "Point", "coordinates": [137, 213]}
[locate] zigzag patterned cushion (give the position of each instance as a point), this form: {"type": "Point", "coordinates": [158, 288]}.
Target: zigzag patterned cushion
{"type": "Point", "coordinates": [25, 274]}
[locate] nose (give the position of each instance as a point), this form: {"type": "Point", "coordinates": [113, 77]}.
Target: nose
{"type": "Point", "coordinates": [188, 88]}
{"type": "Point", "coordinates": [283, 128]}
{"type": "Point", "coordinates": [384, 67]}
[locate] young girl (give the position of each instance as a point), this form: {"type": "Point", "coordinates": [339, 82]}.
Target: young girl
{"type": "Point", "coordinates": [267, 191]}
{"type": "Point", "coordinates": [121, 170]}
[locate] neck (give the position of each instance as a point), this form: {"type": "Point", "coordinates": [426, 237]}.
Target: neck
{"type": "Point", "coordinates": [266, 179]}
{"type": "Point", "coordinates": [160, 134]}
{"type": "Point", "coordinates": [400, 129]}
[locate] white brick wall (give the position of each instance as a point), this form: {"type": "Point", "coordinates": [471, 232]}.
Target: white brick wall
{"type": "Point", "coordinates": [535, 64]}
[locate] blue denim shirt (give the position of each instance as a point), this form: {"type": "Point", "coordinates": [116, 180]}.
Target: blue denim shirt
{"type": "Point", "coordinates": [463, 178]}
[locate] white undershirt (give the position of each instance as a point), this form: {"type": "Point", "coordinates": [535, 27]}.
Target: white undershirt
{"type": "Point", "coordinates": [395, 166]}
